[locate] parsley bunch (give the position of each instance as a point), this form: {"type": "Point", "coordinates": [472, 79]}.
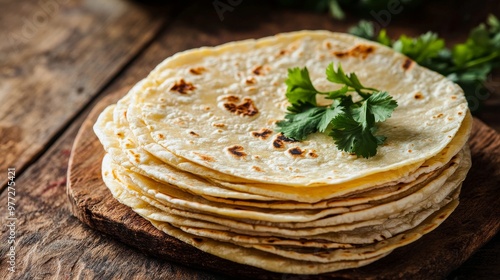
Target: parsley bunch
{"type": "Point", "coordinates": [352, 125]}
{"type": "Point", "coordinates": [468, 64]}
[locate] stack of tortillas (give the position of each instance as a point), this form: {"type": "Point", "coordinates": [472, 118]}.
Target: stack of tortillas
{"type": "Point", "coordinates": [194, 149]}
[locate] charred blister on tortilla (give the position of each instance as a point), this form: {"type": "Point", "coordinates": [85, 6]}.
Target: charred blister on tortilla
{"type": "Point", "coordinates": [236, 151]}
{"type": "Point", "coordinates": [361, 51]}
{"type": "Point", "coordinates": [262, 134]}
{"type": "Point", "coordinates": [261, 70]}
{"type": "Point", "coordinates": [280, 140]}
{"type": "Point", "coordinates": [407, 64]}
{"type": "Point", "coordinates": [296, 152]}
{"type": "Point", "coordinates": [182, 87]}
{"type": "Point", "coordinates": [197, 70]}
{"type": "Point", "coordinates": [245, 108]}
{"type": "Point", "coordinates": [250, 81]}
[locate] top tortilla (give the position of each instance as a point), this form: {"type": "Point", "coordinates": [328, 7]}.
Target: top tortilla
{"type": "Point", "coordinates": [193, 104]}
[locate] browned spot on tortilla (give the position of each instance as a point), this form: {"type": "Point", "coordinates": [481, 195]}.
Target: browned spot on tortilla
{"type": "Point", "coordinates": [125, 114]}
{"type": "Point", "coordinates": [358, 51]}
{"type": "Point", "coordinates": [119, 134]}
{"type": "Point", "coordinates": [250, 81]}
{"type": "Point", "coordinates": [204, 157]}
{"type": "Point", "coordinates": [407, 64]}
{"type": "Point", "coordinates": [282, 137]}
{"type": "Point", "coordinates": [450, 118]}
{"type": "Point", "coordinates": [409, 151]}
{"type": "Point", "coordinates": [257, 70]}
{"type": "Point", "coordinates": [237, 151]}
{"type": "Point", "coordinates": [197, 70]}
{"type": "Point", "coordinates": [279, 141]}
{"type": "Point", "coordinates": [256, 168]}
{"type": "Point", "coordinates": [438, 116]}
{"type": "Point", "coordinates": [219, 125]}
{"type": "Point", "coordinates": [182, 86]}
{"type": "Point", "coordinates": [278, 144]}
{"type": "Point", "coordinates": [313, 154]}
{"type": "Point", "coordinates": [197, 240]}
{"type": "Point", "coordinates": [246, 108]}
{"type": "Point", "coordinates": [282, 52]}
{"type": "Point", "coordinates": [231, 98]}
{"type": "Point", "coordinates": [453, 97]}
{"type": "Point", "coordinates": [418, 95]}
{"type": "Point", "coordinates": [328, 45]}
{"type": "Point", "coordinates": [161, 136]}
{"type": "Point", "coordinates": [262, 134]}
{"type": "Point", "coordinates": [260, 70]}
{"type": "Point", "coordinates": [460, 113]}
{"type": "Point", "coordinates": [296, 152]}
{"type": "Point", "coordinates": [449, 136]}
{"type": "Point", "coordinates": [194, 133]}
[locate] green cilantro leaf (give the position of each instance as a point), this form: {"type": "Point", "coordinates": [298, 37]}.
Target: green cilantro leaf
{"type": "Point", "coordinates": [329, 114]}
{"type": "Point", "coordinates": [381, 105]}
{"type": "Point", "coordinates": [352, 125]}
{"type": "Point", "coordinates": [350, 136]}
{"type": "Point", "coordinates": [350, 80]}
{"type": "Point", "coordinates": [299, 126]}
{"type": "Point", "coordinates": [300, 89]}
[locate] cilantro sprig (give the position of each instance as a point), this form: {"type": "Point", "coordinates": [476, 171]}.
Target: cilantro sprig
{"type": "Point", "coordinates": [352, 125]}
{"type": "Point", "coordinates": [468, 63]}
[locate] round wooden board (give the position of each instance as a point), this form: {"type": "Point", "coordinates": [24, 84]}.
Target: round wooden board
{"type": "Point", "coordinates": [474, 222]}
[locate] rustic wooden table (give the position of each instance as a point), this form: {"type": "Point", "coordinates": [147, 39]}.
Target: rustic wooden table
{"type": "Point", "coordinates": [59, 58]}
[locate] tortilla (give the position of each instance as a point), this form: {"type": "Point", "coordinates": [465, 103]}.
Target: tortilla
{"type": "Point", "coordinates": [200, 124]}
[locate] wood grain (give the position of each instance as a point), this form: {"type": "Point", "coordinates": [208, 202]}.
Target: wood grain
{"type": "Point", "coordinates": [432, 257]}
{"type": "Point", "coordinates": [51, 243]}
{"type": "Point", "coordinates": [55, 56]}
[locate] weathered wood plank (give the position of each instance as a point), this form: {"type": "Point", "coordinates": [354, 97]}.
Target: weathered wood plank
{"type": "Point", "coordinates": [55, 56]}
{"type": "Point", "coordinates": [52, 244]}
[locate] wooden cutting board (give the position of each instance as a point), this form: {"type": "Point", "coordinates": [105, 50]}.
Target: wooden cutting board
{"type": "Point", "coordinates": [474, 222]}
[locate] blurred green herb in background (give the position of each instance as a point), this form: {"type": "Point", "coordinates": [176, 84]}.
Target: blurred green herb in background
{"type": "Point", "coordinates": [468, 64]}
